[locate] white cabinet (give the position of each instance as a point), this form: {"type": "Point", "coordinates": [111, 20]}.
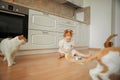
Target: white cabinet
{"type": "Point", "coordinates": [62, 27]}
{"type": "Point", "coordinates": [83, 35]}
{"type": "Point", "coordinates": [42, 21]}
{"type": "Point", "coordinates": [63, 24]}
{"type": "Point", "coordinates": [42, 39]}
{"type": "Point", "coordinates": [24, 47]}
{"type": "Point", "coordinates": [59, 37]}
{"type": "Point", "coordinates": [46, 30]}
{"type": "Point", "coordinates": [64, 21]}
{"type": "Point", "coordinates": [85, 3]}
{"type": "Point", "coordinates": [83, 15]}
{"type": "Point", "coordinates": [81, 3]}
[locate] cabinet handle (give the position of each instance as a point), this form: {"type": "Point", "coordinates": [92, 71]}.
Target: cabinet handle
{"type": "Point", "coordinates": [68, 22]}
{"type": "Point", "coordinates": [45, 32]}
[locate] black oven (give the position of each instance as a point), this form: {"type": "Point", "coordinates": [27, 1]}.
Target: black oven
{"type": "Point", "coordinates": [13, 20]}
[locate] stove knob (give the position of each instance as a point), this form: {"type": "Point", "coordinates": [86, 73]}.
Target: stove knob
{"type": "Point", "coordinates": [3, 7]}
{"type": "Point", "coordinates": [16, 10]}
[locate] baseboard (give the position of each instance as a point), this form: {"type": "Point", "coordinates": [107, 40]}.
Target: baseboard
{"type": "Point", "coordinates": [43, 51]}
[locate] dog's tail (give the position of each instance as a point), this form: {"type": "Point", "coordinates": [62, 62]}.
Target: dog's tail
{"type": "Point", "coordinates": [107, 42]}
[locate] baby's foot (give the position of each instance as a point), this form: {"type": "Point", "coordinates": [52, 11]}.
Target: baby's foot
{"type": "Point", "coordinates": [60, 55]}
{"type": "Point", "coordinates": [9, 65]}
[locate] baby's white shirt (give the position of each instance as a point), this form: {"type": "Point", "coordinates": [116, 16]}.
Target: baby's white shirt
{"type": "Point", "coordinates": [65, 45]}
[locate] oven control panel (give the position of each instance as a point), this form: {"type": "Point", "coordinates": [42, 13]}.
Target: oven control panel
{"type": "Point", "coordinates": [13, 7]}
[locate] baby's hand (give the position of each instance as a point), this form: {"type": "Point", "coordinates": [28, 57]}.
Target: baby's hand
{"type": "Point", "coordinates": [68, 51]}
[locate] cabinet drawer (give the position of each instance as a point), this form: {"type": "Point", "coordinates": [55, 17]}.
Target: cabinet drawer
{"type": "Point", "coordinates": [42, 21]}
{"type": "Point", "coordinates": [42, 39]}
{"type": "Point", "coordinates": [24, 47]}
{"type": "Point", "coordinates": [61, 28]}
{"type": "Point", "coordinates": [63, 21]}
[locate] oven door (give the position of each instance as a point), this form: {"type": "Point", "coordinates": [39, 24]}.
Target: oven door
{"type": "Point", "coordinates": [13, 24]}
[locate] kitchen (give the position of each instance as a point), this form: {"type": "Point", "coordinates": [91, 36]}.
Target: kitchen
{"type": "Point", "coordinates": [91, 21]}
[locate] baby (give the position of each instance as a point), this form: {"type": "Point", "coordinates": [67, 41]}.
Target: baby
{"type": "Point", "coordinates": [66, 45]}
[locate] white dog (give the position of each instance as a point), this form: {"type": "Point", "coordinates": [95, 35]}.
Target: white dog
{"type": "Point", "coordinates": [108, 62]}
{"type": "Point", "coordinates": [10, 46]}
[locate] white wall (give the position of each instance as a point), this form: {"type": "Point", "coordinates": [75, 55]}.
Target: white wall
{"type": "Point", "coordinates": [100, 27]}
{"type": "Point", "coordinates": [117, 22]}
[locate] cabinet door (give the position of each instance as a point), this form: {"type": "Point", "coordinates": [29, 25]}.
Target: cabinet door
{"type": "Point", "coordinates": [63, 24]}
{"type": "Point", "coordinates": [42, 21]}
{"type": "Point", "coordinates": [81, 3]}
{"type": "Point", "coordinates": [59, 37]}
{"type": "Point", "coordinates": [63, 21]}
{"type": "Point", "coordinates": [42, 39]}
{"type": "Point", "coordinates": [83, 35]}
{"type": "Point", "coordinates": [24, 47]}
{"type": "Point", "coordinates": [76, 2]}
{"type": "Point", "coordinates": [61, 28]}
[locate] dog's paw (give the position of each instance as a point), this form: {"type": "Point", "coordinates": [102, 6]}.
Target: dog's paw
{"type": "Point", "coordinates": [4, 59]}
{"type": "Point", "coordinates": [9, 65]}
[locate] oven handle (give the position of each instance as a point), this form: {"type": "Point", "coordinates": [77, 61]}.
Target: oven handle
{"type": "Point", "coordinates": [18, 14]}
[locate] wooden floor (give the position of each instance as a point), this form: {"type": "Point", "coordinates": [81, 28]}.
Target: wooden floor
{"type": "Point", "coordinates": [45, 67]}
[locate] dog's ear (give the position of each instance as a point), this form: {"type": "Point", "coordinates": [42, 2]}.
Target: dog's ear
{"type": "Point", "coordinates": [20, 37]}
{"type": "Point", "coordinates": [71, 31]}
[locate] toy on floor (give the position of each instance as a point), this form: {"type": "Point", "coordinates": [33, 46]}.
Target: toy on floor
{"type": "Point", "coordinates": [72, 58]}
